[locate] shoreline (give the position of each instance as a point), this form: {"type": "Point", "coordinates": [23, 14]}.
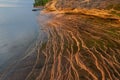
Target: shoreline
{"type": "Point", "coordinates": [84, 37]}
{"type": "Point", "coordinates": [74, 40]}
{"type": "Point", "coordinates": [29, 58]}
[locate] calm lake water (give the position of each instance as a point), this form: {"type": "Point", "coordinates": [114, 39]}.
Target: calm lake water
{"type": "Point", "coordinates": [18, 29]}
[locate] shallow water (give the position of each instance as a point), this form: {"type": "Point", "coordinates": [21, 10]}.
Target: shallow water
{"type": "Point", "coordinates": [18, 29]}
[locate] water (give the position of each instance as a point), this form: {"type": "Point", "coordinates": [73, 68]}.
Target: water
{"type": "Point", "coordinates": [18, 29]}
{"type": "Point", "coordinates": [16, 3]}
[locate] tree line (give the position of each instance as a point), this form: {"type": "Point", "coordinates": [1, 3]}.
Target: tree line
{"type": "Point", "coordinates": [40, 2]}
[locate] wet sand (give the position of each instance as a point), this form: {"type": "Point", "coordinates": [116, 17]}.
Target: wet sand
{"type": "Point", "coordinates": [73, 47]}
{"type": "Point", "coordinates": [78, 47]}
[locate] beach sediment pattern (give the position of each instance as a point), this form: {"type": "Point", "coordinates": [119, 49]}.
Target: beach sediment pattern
{"type": "Point", "coordinates": [79, 47]}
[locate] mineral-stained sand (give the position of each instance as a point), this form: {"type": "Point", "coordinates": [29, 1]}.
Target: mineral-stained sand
{"type": "Point", "coordinates": [73, 47]}
{"type": "Point", "coordinates": [79, 47]}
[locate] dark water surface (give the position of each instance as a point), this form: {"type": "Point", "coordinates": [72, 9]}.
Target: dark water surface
{"type": "Point", "coordinates": [18, 29]}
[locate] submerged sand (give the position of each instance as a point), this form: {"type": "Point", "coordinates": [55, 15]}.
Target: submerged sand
{"type": "Point", "coordinates": [73, 47]}
{"type": "Point", "coordinates": [78, 47]}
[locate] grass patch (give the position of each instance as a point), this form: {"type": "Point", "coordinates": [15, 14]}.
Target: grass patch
{"type": "Point", "coordinates": [115, 13]}
{"type": "Point", "coordinates": [113, 29]}
{"type": "Point", "coordinates": [117, 7]}
{"type": "Point", "coordinates": [43, 46]}
{"type": "Point", "coordinates": [109, 6]}
{"type": "Point", "coordinates": [95, 43]}
{"type": "Point", "coordinates": [90, 43]}
{"type": "Point", "coordinates": [114, 6]}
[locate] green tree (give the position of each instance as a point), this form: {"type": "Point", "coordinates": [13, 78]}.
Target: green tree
{"type": "Point", "coordinates": [40, 2]}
